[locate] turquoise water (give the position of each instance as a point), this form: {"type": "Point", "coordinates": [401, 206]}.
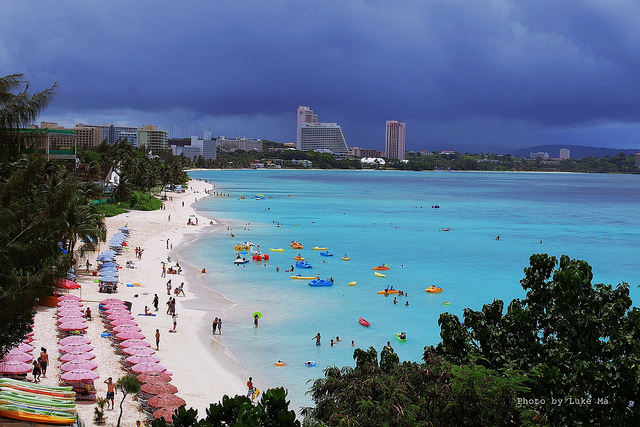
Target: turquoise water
{"type": "Point", "coordinates": [386, 217]}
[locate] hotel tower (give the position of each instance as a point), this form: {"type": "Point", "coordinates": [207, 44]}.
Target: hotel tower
{"type": "Point", "coordinates": [394, 141]}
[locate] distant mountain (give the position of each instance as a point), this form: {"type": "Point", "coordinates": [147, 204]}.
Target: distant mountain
{"type": "Point", "coordinates": [577, 151]}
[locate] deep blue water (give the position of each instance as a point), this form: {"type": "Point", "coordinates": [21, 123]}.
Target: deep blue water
{"type": "Point", "coordinates": [386, 217]}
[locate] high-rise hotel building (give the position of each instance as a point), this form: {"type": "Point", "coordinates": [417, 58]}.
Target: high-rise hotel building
{"type": "Point", "coordinates": [312, 135]}
{"type": "Point", "coordinates": [394, 141]}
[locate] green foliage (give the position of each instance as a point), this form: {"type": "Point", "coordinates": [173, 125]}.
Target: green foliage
{"type": "Point", "coordinates": [109, 210]}
{"type": "Point", "coordinates": [575, 340]}
{"type": "Point", "coordinates": [98, 411]}
{"type": "Point", "coordinates": [127, 384]}
{"type": "Point", "coordinates": [140, 201]}
{"type": "Point", "coordinates": [271, 411]}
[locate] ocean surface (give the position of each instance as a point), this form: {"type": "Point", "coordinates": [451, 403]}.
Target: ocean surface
{"type": "Point", "coordinates": [387, 217]}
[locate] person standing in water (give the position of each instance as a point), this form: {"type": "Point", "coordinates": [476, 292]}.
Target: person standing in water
{"type": "Point", "coordinates": [317, 338]}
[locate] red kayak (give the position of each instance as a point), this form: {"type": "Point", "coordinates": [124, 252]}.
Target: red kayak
{"type": "Point", "coordinates": [364, 322]}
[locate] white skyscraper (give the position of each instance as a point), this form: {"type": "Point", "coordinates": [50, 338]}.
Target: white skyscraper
{"type": "Point", "coordinates": [322, 136]}
{"type": "Point", "coordinates": [305, 115]}
{"type": "Point", "coordinates": [565, 153]}
{"type": "Point", "coordinates": [394, 141]}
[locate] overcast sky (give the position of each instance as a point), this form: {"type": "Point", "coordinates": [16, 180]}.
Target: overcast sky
{"type": "Point", "coordinates": [503, 73]}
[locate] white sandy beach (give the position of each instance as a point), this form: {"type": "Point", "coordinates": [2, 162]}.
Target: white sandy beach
{"type": "Point", "coordinates": [202, 371]}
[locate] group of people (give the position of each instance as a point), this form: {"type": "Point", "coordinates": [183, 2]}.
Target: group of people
{"type": "Point", "coordinates": [40, 365]}
{"type": "Point", "coordinates": [217, 324]}
{"type": "Point", "coordinates": [139, 252]}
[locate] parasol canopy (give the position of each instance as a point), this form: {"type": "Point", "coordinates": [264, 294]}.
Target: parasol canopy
{"type": "Point", "coordinates": [14, 367]}
{"type": "Point", "coordinates": [166, 413]}
{"type": "Point", "coordinates": [158, 387]}
{"type": "Point", "coordinates": [77, 355]}
{"type": "Point", "coordinates": [108, 300]}
{"type": "Point", "coordinates": [24, 348]}
{"type": "Point", "coordinates": [126, 328]}
{"type": "Point", "coordinates": [66, 283]}
{"type": "Point", "coordinates": [148, 377]}
{"type": "Point", "coordinates": [122, 321]}
{"type": "Point", "coordinates": [134, 343]}
{"type": "Point", "coordinates": [108, 279]}
{"type": "Point", "coordinates": [73, 325]}
{"type": "Point", "coordinates": [17, 356]}
{"type": "Point", "coordinates": [69, 303]}
{"type": "Point", "coordinates": [75, 317]}
{"type": "Point", "coordinates": [139, 358]}
{"type": "Point", "coordinates": [139, 351]}
{"type": "Point", "coordinates": [76, 347]}
{"type": "Point", "coordinates": [71, 312]}
{"type": "Point", "coordinates": [120, 315]}
{"type": "Point", "coordinates": [115, 310]}
{"type": "Point", "coordinates": [79, 375]}
{"type": "Point", "coordinates": [69, 297]}
{"type": "Point", "coordinates": [141, 368]}
{"type": "Point", "coordinates": [76, 339]}
{"type": "Point", "coordinates": [127, 335]}
{"type": "Point", "coordinates": [108, 264]}
{"type": "Point", "coordinates": [166, 400]}
{"type": "Point", "coordinates": [74, 365]}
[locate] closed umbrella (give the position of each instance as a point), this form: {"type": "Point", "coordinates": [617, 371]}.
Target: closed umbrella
{"type": "Point", "coordinates": [137, 358]}
{"type": "Point", "coordinates": [69, 297]}
{"type": "Point", "coordinates": [140, 351]}
{"type": "Point", "coordinates": [130, 335]}
{"type": "Point", "coordinates": [134, 343]}
{"type": "Point", "coordinates": [76, 347]}
{"type": "Point", "coordinates": [120, 315]}
{"type": "Point", "coordinates": [158, 387]}
{"type": "Point", "coordinates": [141, 368]}
{"type": "Point", "coordinates": [148, 377]}
{"type": "Point", "coordinates": [76, 339]}
{"type": "Point", "coordinates": [74, 365]}
{"type": "Point", "coordinates": [126, 328]}
{"type": "Point", "coordinates": [17, 356]}
{"type": "Point", "coordinates": [77, 355]}
{"type": "Point", "coordinates": [166, 413]}
{"type": "Point", "coordinates": [73, 325]}
{"type": "Point", "coordinates": [79, 375]}
{"type": "Point", "coordinates": [166, 400]}
{"type": "Point", "coordinates": [14, 367]}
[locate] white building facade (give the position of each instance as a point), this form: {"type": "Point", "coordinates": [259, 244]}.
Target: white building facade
{"type": "Point", "coordinates": [305, 115]}
{"type": "Point", "coordinates": [395, 140]}
{"type": "Point", "coordinates": [565, 154]}
{"type": "Point", "coordinates": [322, 136]}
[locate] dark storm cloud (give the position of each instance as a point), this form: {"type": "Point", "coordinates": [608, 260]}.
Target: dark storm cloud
{"type": "Point", "coordinates": [506, 72]}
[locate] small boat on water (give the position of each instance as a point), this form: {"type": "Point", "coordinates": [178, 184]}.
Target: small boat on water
{"type": "Point", "coordinates": [317, 248]}
{"type": "Point", "coordinates": [296, 245]}
{"type": "Point", "coordinates": [260, 257]}
{"type": "Point", "coordinates": [345, 258]}
{"type": "Point", "coordinates": [401, 336]}
{"type": "Point", "coordinates": [364, 322]}
{"type": "Point", "coordinates": [379, 274]}
{"type": "Point", "coordinates": [352, 283]}
{"type": "Point", "coordinates": [239, 261]}
{"type": "Point", "coordinates": [298, 258]}
{"type": "Point", "coordinates": [301, 277]}
{"type": "Point", "coordinates": [276, 250]}
{"type": "Point", "coordinates": [326, 253]}
{"type": "Point", "coordinates": [320, 282]}
{"type": "Point", "coordinates": [303, 264]}
{"type": "Point", "coordinates": [433, 290]}
{"type": "Point", "coordinates": [388, 290]}
{"type": "Point", "coordinates": [382, 267]}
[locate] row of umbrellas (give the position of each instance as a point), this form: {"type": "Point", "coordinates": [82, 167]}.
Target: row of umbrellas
{"type": "Point", "coordinates": [71, 314]}
{"type": "Point", "coordinates": [18, 360]}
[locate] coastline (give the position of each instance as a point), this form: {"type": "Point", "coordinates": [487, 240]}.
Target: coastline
{"type": "Point", "coordinates": [203, 370]}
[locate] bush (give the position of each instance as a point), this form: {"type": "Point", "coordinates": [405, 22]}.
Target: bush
{"type": "Point", "coordinates": [144, 202]}
{"type": "Point", "coordinates": [110, 210]}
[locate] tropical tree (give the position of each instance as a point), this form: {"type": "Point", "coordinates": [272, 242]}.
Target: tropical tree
{"type": "Point", "coordinates": [81, 221]}
{"type": "Point", "coordinates": [577, 341]}
{"type": "Point", "coordinates": [128, 384]}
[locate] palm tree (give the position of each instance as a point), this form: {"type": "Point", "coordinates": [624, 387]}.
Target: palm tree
{"type": "Point", "coordinates": [81, 221]}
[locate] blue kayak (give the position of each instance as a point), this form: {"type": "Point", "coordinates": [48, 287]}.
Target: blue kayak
{"type": "Point", "coordinates": [320, 282]}
{"type": "Point", "coordinates": [303, 264]}
{"type": "Point", "coordinates": [326, 253]}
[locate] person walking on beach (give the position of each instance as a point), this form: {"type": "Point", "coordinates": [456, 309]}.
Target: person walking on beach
{"type": "Point", "coordinates": [36, 372]}
{"type": "Point", "coordinates": [214, 325]}
{"type": "Point", "coordinates": [168, 284]}
{"type": "Point", "coordinates": [164, 271]}
{"type": "Point", "coordinates": [111, 391]}
{"type": "Point", "coordinates": [155, 302]}
{"type": "Point", "coordinates": [317, 338]}
{"type": "Point", "coordinates": [219, 326]}
{"type": "Point", "coordinates": [157, 339]}
{"type": "Point", "coordinates": [88, 265]}
{"type": "Point", "coordinates": [175, 321]}
{"type": "Point", "coordinates": [250, 387]}
{"type": "Point", "coordinates": [167, 243]}
{"type": "Point", "coordinates": [45, 361]}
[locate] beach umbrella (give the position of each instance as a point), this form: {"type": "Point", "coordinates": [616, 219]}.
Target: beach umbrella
{"type": "Point", "coordinates": [120, 315]}
{"type": "Point", "coordinates": [108, 300]}
{"type": "Point", "coordinates": [68, 312]}
{"type": "Point", "coordinates": [127, 335]}
{"type": "Point", "coordinates": [108, 279]}
{"type": "Point", "coordinates": [108, 264]}
{"type": "Point", "coordinates": [139, 350]}
{"type": "Point", "coordinates": [166, 413]}
{"type": "Point", "coordinates": [158, 387]}
{"type": "Point", "coordinates": [73, 325]}
{"type": "Point", "coordinates": [17, 356]}
{"type": "Point", "coordinates": [125, 328]}
{"type": "Point", "coordinates": [77, 355]}
{"type": "Point", "coordinates": [76, 347]}
{"type": "Point", "coordinates": [30, 334]}
{"type": "Point", "coordinates": [125, 229]}
{"type": "Point", "coordinates": [137, 358]}
{"type": "Point", "coordinates": [148, 377]}
{"type": "Point", "coordinates": [141, 368]}
{"type": "Point", "coordinates": [27, 340]}
{"type": "Point", "coordinates": [165, 400]}
{"type": "Point", "coordinates": [76, 339]}
{"type": "Point", "coordinates": [134, 343]}
{"type": "Point", "coordinates": [69, 303]}
{"type": "Point", "coordinates": [120, 322]}
{"type": "Point", "coordinates": [14, 367]}
{"type": "Point", "coordinates": [79, 375]}
{"type": "Point", "coordinates": [78, 364]}
{"type": "Point", "coordinates": [77, 317]}
{"type": "Point", "coordinates": [109, 270]}
{"type": "Point", "coordinates": [26, 348]}
{"type": "Point", "coordinates": [69, 297]}
{"type": "Point", "coordinates": [113, 304]}
{"type": "Point", "coordinates": [115, 310]}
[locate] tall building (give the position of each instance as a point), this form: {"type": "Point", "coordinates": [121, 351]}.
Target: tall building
{"type": "Point", "coordinates": [394, 141]}
{"type": "Point", "coordinates": [150, 138]}
{"type": "Point", "coordinates": [322, 136]}
{"type": "Point", "coordinates": [305, 115]}
{"type": "Point", "coordinates": [85, 136]}
{"type": "Point", "coordinates": [565, 154]}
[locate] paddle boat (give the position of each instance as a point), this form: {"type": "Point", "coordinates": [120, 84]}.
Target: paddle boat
{"type": "Point", "coordinates": [401, 336]}
{"type": "Point", "coordinates": [301, 277]}
{"type": "Point", "coordinates": [364, 322]}
{"type": "Point", "coordinates": [326, 253]}
{"type": "Point", "coordinates": [303, 264]}
{"type": "Point", "coordinates": [320, 282]}
{"type": "Point", "coordinates": [318, 248]}
{"type": "Point", "coordinates": [345, 258]}
{"type": "Point", "coordinates": [379, 274]}
{"type": "Point", "coordinates": [260, 257]}
{"type": "Point", "coordinates": [382, 267]}
{"type": "Point", "coordinates": [352, 283]}
{"type": "Point", "coordinates": [276, 250]}
{"type": "Point", "coordinates": [389, 290]}
{"type": "Point", "coordinates": [299, 258]}
{"type": "Point", "coordinates": [446, 303]}
{"type": "Point", "coordinates": [433, 290]}
{"type": "Point", "coordinates": [296, 245]}
{"type": "Point", "coordinates": [279, 363]}
{"type": "Point", "coordinates": [239, 261]}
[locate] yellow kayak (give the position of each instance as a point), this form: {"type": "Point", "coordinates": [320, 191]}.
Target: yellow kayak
{"type": "Point", "coordinates": [276, 250]}
{"type": "Point", "coordinates": [304, 277]}
{"type": "Point", "coordinates": [379, 274]}
{"type": "Point", "coordinates": [316, 248]}
{"type": "Point", "coordinates": [352, 283]}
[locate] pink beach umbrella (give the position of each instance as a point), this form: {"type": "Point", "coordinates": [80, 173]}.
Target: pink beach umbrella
{"type": "Point", "coordinates": [79, 375]}
{"type": "Point", "coordinates": [108, 300]}
{"type": "Point", "coordinates": [126, 328]}
{"type": "Point", "coordinates": [26, 348]}
{"type": "Point", "coordinates": [166, 413]}
{"type": "Point", "coordinates": [116, 310]}
{"type": "Point", "coordinates": [139, 351]}
{"type": "Point", "coordinates": [17, 356]}
{"type": "Point", "coordinates": [124, 321]}
{"type": "Point", "coordinates": [70, 318]}
{"type": "Point", "coordinates": [137, 358]}
{"type": "Point", "coordinates": [77, 355]}
{"type": "Point", "coordinates": [73, 325]}
{"type": "Point", "coordinates": [30, 334]}
{"type": "Point", "coordinates": [134, 343]}
{"type": "Point", "coordinates": [130, 335]}
{"type": "Point", "coordinates": [28, 340]}
{"type": "Point", "coordinates": [165, 400]}
{"type": "Point", "coordinates": [75, 365]}
{"type": "Point", "coordinates": [14, 367]}
{"type": "Point", "coordinates": [76, 311]}
{"type": "Point", "coordinates": [158, 387]}
{"type": "Point", "coordinates": [76, 347]}
{"type": "Point", "coordinates": [141, 368]}
{"type": "Point", "coordinates": [148, 377]}
{"type": "Point", "coordinates": [76, 339]}
{"type": "Point", "coordinates": [121, 315]}
{"type": "Point", "coordinates": [69, 303]}
{"type": "Point", "coordinates": [69, 297]}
